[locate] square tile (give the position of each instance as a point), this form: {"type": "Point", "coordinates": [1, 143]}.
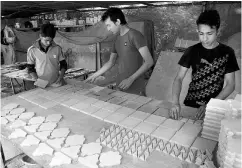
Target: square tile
{"type": "Point", "coordinates": [70, 102]}
{"type": "Point", "coordinates": [40, 100]}
{"type": "Point", "coordinates": [164, 133]}
{"type": "Point", "coordinates": [139, 115]}
{"type": "Point", "coordinates": [130, 96]}
{"type": "Point", "coordinates": [119, 93]}
{"type": "Point", "coordinates": [182, 139]}
{"type": "Point", "coordinates": [90, 100]}
{"type": "Point", "coordinates": [105, 97]}
{"type": "Point", "coordinates": [191, 129]}
{"type": "Point", "coordinates": [97, 88]}
{"type": "Point", "coordinates": [132, 104]}
{"type": "Point", "coordinates": [155, 102]}
{"type": "Point", "coordinates": [129, 123]}
{"type": "Point", "coordinates": [52, 96]}
{"type": "Point", "coordinates": [83, 92]}
{"type": "Point", "coordinates": [90, 110]}
{"type": "Point", "coordinates": [105, 91]}
{"type": "Point", "coordinates": [79, 106]}
{"type": "Point", "coordinates": [203, 144]}
{"type": "Point", "coordinates": [148, 108]}
{"type": "Point", "coordinates": [166, 104]}
{"type": "Point", "coordinates": [162, 112]}
{"type": "Point", "coordinates": [125, 110]}
{"type": "Point", "coordinates": [145, 128]}
{"type": "Point", "coordinates": [101, 114]}
{"type": "Point", "coordinates": [142, 99]}
{"type": "Point", "coordinates": [154, 119]}
{"type": "Point", "coordinates": [79, 97]}
{"type": "Point", "coordinates": [117, 100]}
{"type": "Point", "coordinates": [174, 124]}
{"type": "Point", "coordinates": [115, 118]}
{"type": "Point", "coordinates": [92, 95]}
{"type": "Point", "coordinates": [49, 104]}
{"type": "Point", "coordinates": [61, 99]}
{"type": "Point", "coordinates": [112, 107]}
{"type": "Point", "coordinates": [100, 104]}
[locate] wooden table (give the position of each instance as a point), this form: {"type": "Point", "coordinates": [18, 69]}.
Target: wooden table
{"type": "Point", "coordinates": [82, 124]}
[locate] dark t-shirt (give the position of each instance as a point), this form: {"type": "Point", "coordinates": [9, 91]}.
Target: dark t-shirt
{"type": "Point", "coordinates": [129, 58]}
{"type": "Point", "coordinates": [209, 67]}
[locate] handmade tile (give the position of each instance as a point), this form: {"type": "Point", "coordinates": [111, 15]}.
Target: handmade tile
{"type": "Point", "coordinates": [60, 132]}
{"type": "Point", "coordinates": [40, 100]}
{"type": "Point", "coordinates": [44, 135]}
{"type": "Point", "coordinates": [36, 120]}
{"type": "Point", "coordinates": [70, 102]}
{"type": "Point", "coordinates": [5, 112]}
{"type": "Point", "coordinates": [117, 100]}
{"type": "Point", "coordinates": [96, 88]}
{"type": "Point", "coordinates": [101, 114]}
{"type": "Point", "coordinates": [47, 126]}
{"type": "Point", "coordinates": [154, 119]}
{"type": "Point", "coordinates": [18, 133]}
{"type": "Point", "coordinates": [174, 124]}
{"type": "Point", "coordinates": [100, 104]}
{"type": "Point", "coordinates": [166, 105]}
{"type": "Point", "coordinates": [140, 115]}
{"type": "Point", "coordinates": [132, 104]}
{"type": "Point", "coordinates": [90, 110]}
{"type": "Point", "coordinates": [79, 97]}
{"type": "Point", "coordinates": [51, 95]}
{"type": "Point", "coordinates": [71, 151]}
{"type": "Point", "coordinates": [56, 142]}
{"type": "Point", "coordinates": [105, 97]}
{"type": "Point", "coordinates": [53, 118]}
{"type": "Point", "coordinates": [12, 117]}
{"type": "Point", "coordinates": [183, 119]}
{"type": "Point", "coordinates": [115, 118]}
{"type": "Point", "coordinates": [89, 161]}
{"type": "Point", "coordinates": [4, 121]}
{"type": "Point", "coordinates": [80, 106]}
{"type": "Point", "coordinates": [30, 140]}
{"type": "Point", "coordinates": [32, 128]}
{"type": "Point", "coordinates": [61, 99]}
{"type": "Point", "coordinates": [17, 123]}
{"type": "Point", "coordinates": [142, 99]}
{"type": "Point", "coordinates": [191, 129]}
{"type": "Point", "coordinates": [129, 122]}
{"type": "Point", "coordinates": [10, 106]}
{"type": "Point", "coordinates": [59, 159]}
{"type": "Point", "coordinates": [145, 128]}
{"type": "Point", "coordinates": [90, 100]}
{"type": "Point", "coordinates": [125, 110]}
{"type": "Point", "coordinates": [74, 140]}
{"type": "Point", "coordinates": [112, 107]}
{"type": "Point", "coordinates": [148, 108]}
{"type": "Point", "coordinates": [183, 139]}
{"type": "Point", "coordinates": [204, 144]}
{"type": "Point", "coordinates": [91, 149]}
{"type": "Point", "coordinates": [119, 94]}
{"type": "Point", "coordinates": [164, 133]}
{"type": "Point", "coordinates": [105, 91]}
{"type": "Point", "coordinates": [26, 115]}
{"type": "Point", "coordinates": [49, 104]}
{"type": "Point", "coordinates": [162, 112]}
{"type": "Point", "coordinates": [17, 111]}
{"type": "Point", "coordinates": [43, 149]}
{"type": "Point", "coordinates": [130, 96]}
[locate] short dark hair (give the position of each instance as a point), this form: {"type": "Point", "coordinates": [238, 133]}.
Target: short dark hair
{"type": "Point", "coordinates": [48, 30]}
{"type": "Point", "coordinates": [210, 18]}
{"type": "Point", "coordinates": [114, 14]}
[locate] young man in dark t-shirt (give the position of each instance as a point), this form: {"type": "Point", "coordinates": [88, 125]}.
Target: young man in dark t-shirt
{"type": "Point", "coordinates": [129, 51]}
{"type": "Point", "coordinates": [213, 68]}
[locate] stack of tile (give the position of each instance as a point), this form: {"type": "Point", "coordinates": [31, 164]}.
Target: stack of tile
{"type": "Point", "coordinates": [229, 147]}
{"type": "Point", "coordinates": [215, 112]}
{"type": "Point", "coordinates": [235, 109]}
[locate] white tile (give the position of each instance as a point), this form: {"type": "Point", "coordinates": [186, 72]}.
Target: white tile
{"type": "Point", "coordinates": [142, 99]}
{"type": "Point", "coordinates": [119, 94]}
{"type": "Point", "coordinates": [140, 115]}
{"type": "Point", "coordinates": [90, 110]}
{"type": "Point", "coordinates": [145, 128]}
{"type": "Point", "coordinates": [130, 96]}
{"type": "Point", "coordinates": [90, 100]}
{"type": "Point", "coordinates": [70, 102]}
{"type": "Point", "coordinates": [132, 104]}
{"type": "Point", "coordinates": [100, 104]}
{"type": "Point", "coordinates": [115, 118]}
{"type": "Point", "coordinates": [154, 119]}
{"type": "Point", "coordinates": [125, 110]}
{"type": "Point", "coordinates": [117, 100]}
{"type": "Point", "coordinates": [148, 108]}
{"type": "Point", "coordinates": [204, 144]}
{"type": "Point", "coordinates": [174, 124]}
{"type": "Point", "coordinates": [162, 112]}
{"type": "Point", "coordinates": [129, 122]}
{"type": "Point", "coordinates": [101, 114]}
{"type": "Point", "coordinates": [79, 106]}
{"type": "Point", "coordinates": [191, 129]}
{"type": "Point", "coordinates": [112, 107]}
{"type": "Point", "coordinates": [183, 139]}
{"type": "Point", "coordinates": [164, 133]}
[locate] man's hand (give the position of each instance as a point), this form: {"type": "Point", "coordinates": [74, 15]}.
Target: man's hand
{"type": "Point", "coordinates": [200, 112]}
{"type": "Point", "coordinates": [175, 111]}
{"type": "Point", "coordinates": [91, 78]}
{"type": "Point", "coordinates": [126, 83]}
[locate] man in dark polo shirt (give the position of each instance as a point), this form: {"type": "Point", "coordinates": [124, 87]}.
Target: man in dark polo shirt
{"type": "Point", "coordinates": [129, 50]}
{"type": "Point", "coordinates": [213, 68]}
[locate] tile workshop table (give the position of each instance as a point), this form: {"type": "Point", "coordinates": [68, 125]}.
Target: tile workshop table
{"type": "Point", "coordinates": [82, 124]}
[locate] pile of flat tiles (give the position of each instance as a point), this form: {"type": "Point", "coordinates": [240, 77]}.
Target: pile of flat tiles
{"type": "Point", "coordinates": [229, 147]}
{"type": "Point", "coordinates": [215, 112]}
